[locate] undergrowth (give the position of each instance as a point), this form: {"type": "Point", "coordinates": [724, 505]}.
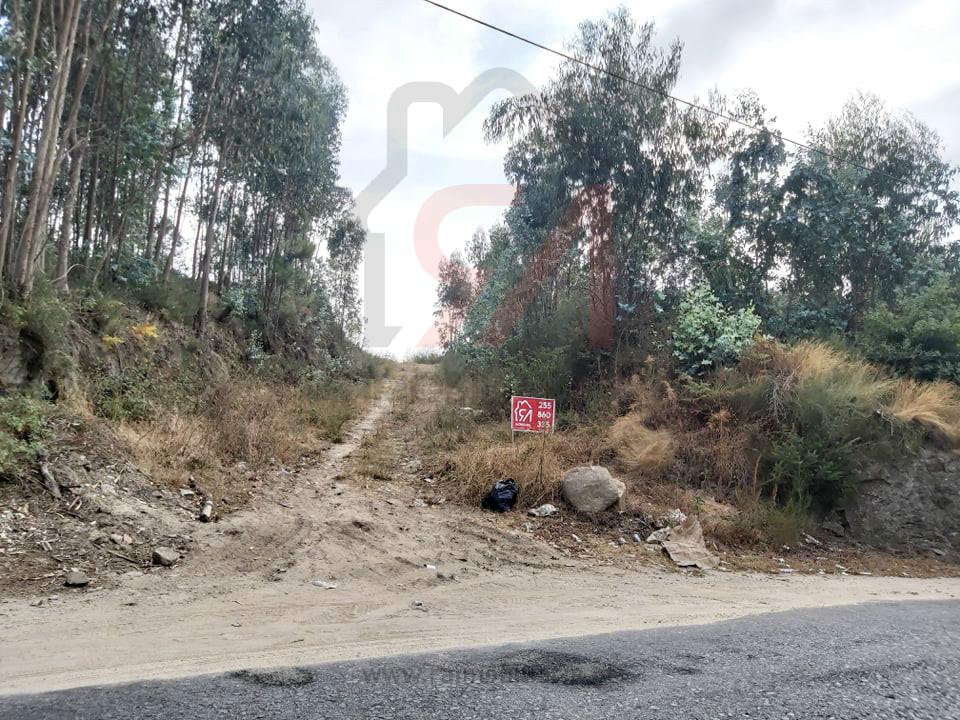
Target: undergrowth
{"type": "Point", "coordinates": [781, 436]}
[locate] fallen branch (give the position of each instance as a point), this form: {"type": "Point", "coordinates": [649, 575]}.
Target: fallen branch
{"type": "Point", "coordinates": [49, 481]}
{"type": "Point", "coordinates": [121, 556]}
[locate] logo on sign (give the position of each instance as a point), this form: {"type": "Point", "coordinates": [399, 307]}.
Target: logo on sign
{"type": "Point", "coordinates": [529, 414]}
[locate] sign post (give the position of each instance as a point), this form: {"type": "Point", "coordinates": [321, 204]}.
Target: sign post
{"type": "Point", "coordinates": [533, 415]}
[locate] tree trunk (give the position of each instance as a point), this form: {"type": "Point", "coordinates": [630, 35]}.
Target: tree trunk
{"type": "Point", "coordinates": [168, 266]}
{"type": "Point", "coordinates": [63, 242]}
{"type": "Point", "coordinates": [200, 320]}
{"type": "Point", "coordinates": [16, 137]}
{"type": "Point", "coordinates": [41, 186]}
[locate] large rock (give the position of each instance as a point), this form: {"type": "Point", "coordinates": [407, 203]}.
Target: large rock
{"type": "Point", "coordinates": [591, 489]}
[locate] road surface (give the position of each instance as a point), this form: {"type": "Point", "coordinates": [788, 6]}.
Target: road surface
{"type": "Point", "coordinates": [890, 660]}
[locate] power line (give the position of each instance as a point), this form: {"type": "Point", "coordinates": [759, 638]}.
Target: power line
{"type": "Point", "coordinates": [688, 103]}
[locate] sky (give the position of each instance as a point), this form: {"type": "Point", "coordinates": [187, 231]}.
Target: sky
{"type": "Point", "coordinates": [441, 181]}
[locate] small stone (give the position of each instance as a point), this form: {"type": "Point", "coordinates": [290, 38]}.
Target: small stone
{"type": "Point", "coordinates": [76, 579]}
{"type": "Point", "coordinates": [165, 556]}
{"type": "Point", "coordinates": [324, 584]}
{"type": "Point", "coordinates": [68, 478]}
{"type": "Point", "coordinates": [446, 576]}
{"type": "Point", "coordinates": [659, 536]}
{"type": "Point", "coordinates": [186, 492]}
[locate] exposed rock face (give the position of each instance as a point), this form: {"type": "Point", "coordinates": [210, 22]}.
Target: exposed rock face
{"type": "Point", "coordinates": [14, 372]}
{"type": "Point", "coordinates": [591, 489]}
{"type": "Point", "coordinates": [913, 505]}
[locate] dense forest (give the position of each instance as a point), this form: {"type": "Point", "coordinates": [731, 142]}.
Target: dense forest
{"type": "Point", "coordinates": [179, 151]}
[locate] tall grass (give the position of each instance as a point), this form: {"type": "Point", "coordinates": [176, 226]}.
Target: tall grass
{"type": "Point", "coordinates": [933, 406]}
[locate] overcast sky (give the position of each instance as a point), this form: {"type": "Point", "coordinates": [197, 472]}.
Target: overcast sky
{"type": "Point", "coordinates": [803, 58]}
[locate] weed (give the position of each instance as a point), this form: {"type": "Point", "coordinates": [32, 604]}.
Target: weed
{"type": "Point", "coordinates": [124, 397]}
{"type": "Point", "coordinates": [23, 426]}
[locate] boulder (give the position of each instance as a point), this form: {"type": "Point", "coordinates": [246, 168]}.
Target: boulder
{"type": "Point", "coordinates": [591, 489]}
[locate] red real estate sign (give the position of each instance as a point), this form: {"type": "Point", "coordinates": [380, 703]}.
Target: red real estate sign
{"type": "Point", "coordinates": [529, 414]}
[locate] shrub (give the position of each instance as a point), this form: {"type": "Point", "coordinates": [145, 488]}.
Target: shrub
{"type": "Point", "coordinates": [453, 368]}
{"type": "Point", "coordinates": [23, 426]}
{"type": "Point", "coordinates": [809, 472]}
{"type": "Point", "coordinates": [123, 397]}
{"type": "Point", "coordinates": [821, 414]}
{"type": "Point", "coordinates": [919, 335]}
{"type": "Point", "coordinates": [426, 357]}
{"type": "Point", "coordinates": [707, 335]}
{"type": "Point", "coordinates": [44, 323]}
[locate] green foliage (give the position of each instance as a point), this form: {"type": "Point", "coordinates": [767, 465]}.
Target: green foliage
{"type": "Point", "coordinates": [918, 334]}
{"type": "Point", "coordinates": [427, 357]}
{"type": "Point", "coordinates": [44, 321]}
{"type": "Point", "coordinates": [810, 472]}
{"type": "Point", "coordinates": [454, 368]}
{"type": "Point", "coordinates": [125, 397]}
{"type": "Point", "coordinates": [820, 414]}
{"type": "Point", "coordinates": [23, 426]}
{"type": "Point", "coordinates": [707, 335]}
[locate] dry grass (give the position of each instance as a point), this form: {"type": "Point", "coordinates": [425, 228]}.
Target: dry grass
{"type": "Point", "coordinates": [476, 466]}
{"type": "Point", "coordinates": [640, 449]}
{"type": "Point", "coordinates": [933, 406]}
{"type": "Point", "coordinates": [813, 367]}
{"type": "Point", "coordinates": [244, 421]}
{"type": "Point", "coordinates": [376, 458]}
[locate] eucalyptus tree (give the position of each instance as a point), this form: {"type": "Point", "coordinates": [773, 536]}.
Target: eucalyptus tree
{"type": "Point", "coordinates": [859, 213]}
{"type": "Point", "coordinates": [618, 132]}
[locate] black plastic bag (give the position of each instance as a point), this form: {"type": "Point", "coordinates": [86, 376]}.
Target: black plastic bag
{"type": "Point", "coordinates": [502, 496]}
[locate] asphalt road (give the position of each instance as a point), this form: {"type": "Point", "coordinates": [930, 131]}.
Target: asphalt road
{"type": "Point", "coordinates": [875, 661]}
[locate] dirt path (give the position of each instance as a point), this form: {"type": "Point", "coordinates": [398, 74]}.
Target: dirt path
{"type": "Point", "coordinates": [409, 577]}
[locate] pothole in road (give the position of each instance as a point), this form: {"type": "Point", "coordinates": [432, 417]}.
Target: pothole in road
{"type": "Point", "coordinates": [284, 677]}
{"type": "Point", "coordinates": [560, 668]}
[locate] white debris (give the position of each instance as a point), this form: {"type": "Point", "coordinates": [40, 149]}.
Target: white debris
{"type": "Point", "coordinates": [543, 511]}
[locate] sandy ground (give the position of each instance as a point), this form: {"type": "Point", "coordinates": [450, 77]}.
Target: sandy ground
{"type": "Point", "coordinates": [409, 577]}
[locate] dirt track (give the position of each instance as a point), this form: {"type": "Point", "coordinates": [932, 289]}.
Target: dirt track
{"type": "Point", "coordinates": [246, 598]}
